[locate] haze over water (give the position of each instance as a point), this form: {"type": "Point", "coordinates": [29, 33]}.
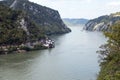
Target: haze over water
{"type": "Point", "coordinates": [73, 58]}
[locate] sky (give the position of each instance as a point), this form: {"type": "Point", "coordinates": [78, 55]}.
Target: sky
{"type": "Point", "coordinates": [88, 9]}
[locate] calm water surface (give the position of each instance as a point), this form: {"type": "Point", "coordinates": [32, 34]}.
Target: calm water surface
{"type": "Point", "coordinates": [73, 58]}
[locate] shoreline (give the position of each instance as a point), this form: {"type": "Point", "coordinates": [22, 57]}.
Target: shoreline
{"type": "Point", "coordinates": [29, 46]}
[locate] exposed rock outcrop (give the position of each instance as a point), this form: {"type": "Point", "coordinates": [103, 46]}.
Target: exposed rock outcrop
{"type": "Point", "coordinates": [102, 23]}
{"type": "Point", "coordinates": [18, 32]}
{"type": "Point", "coordinates": [47, 19]}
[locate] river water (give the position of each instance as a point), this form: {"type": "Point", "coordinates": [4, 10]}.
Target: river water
{"type": "Point", "coordinates": [73, 58]}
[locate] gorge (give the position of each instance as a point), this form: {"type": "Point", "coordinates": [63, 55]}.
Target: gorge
{"type": "Point", "coordinates": [25, 25]}
{"type": "Point", "coordinates": [36, 44]}
{"type": "Point", "coordinates": [73, 58]}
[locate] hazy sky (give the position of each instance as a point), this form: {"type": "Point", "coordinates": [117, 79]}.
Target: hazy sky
{"type": "Point", "coordinates": [82, 8]}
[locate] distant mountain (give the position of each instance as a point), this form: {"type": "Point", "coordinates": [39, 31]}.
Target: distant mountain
{"type": "Point", "coordinates": [102, 23]}
{"type": "Point", "coordinates": [47, 19]}
{"type": "Point", "coordinates": [75, 22]}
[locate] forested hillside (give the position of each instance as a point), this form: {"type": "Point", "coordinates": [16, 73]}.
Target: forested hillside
{"type": "Point", "coordinates": [46, 18]}
{"type": "Point", "coordinates": [18, 31]}
{"type": "Point", "coordinates": [110, 55]}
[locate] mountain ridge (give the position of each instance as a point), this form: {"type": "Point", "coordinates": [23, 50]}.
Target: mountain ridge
{"type": "Point", "coordinates": [48, 19]}
{"type": "Point", "coordinates": [75, 21]}
{"type": "Point", "coordinates": [18, 32]}
{"type": "Point", "coordinates": [102, 23]}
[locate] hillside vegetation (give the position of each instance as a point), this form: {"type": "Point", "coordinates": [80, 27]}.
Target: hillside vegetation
{"type": "Point", "coordinates": [17, 30]}
{"type": "Point", "coordinates": [10, 33]}
{"type": "Point", "coordinates": [110, 55]}
{"type": "Point", "coordinates": [46, 18]}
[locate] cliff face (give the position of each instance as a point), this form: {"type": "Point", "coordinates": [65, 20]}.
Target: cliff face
{"type": "Point", "coordinates": [17, 28]}
{"type": "Point", "coordinates": [102, 23]}
{"type": "Point", "coordinates": [47, 19]}
{"type": "Point", "coordinates": [18, 33]}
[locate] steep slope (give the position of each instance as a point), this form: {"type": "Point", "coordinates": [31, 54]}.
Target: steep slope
{"type": "Point", "coordinates": [74, 22]}
{"type": "Point", "coordinates": [18, 32]}
{"type": "Point", "coordinates": [102, 23]}
{"type": "Point", "coordinates": [110, 55]}
{"type": "Point", "coordinates": [48, 19]}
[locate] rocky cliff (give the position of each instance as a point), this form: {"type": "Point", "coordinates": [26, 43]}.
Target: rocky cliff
{"type": "Point", "coordinates": [18, 32]}
{"type": "Point", "coordinates": [47, 19]}
{"type": "Point", "coordinates": [102, 23]}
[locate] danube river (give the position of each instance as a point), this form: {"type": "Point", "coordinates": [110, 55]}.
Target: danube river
{"type": "Point", "coordinates": [73, 58]}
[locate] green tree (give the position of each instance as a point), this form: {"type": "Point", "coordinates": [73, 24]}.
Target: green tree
{"type": "Point", "coordinates": [110, 55]}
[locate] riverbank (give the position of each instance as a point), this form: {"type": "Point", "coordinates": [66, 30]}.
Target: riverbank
{"type": "Point", "coordinates": [73, 58]}
{"type": "Point", "coordinates": [28, 46]}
